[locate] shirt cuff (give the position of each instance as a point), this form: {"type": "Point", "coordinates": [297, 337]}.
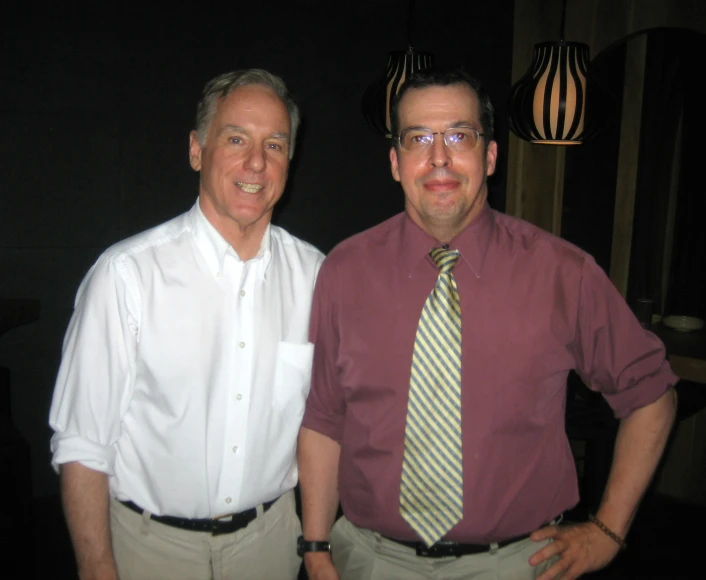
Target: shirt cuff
{"type": "Point", "coordinates": [67, 447]}
{"type": "Point", "coordinates": [330, 426]}
{"type": "Point", "coordinates": [643, 392]}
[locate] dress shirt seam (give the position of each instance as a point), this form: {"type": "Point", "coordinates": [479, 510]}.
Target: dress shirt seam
{"type": "Point", "coordinates": [577, 347]}
{"type": "Point", "coordinates": [131, 287]}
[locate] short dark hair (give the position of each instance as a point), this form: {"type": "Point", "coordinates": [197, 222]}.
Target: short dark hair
{"type": "Point", "coordinates": [444, 77]}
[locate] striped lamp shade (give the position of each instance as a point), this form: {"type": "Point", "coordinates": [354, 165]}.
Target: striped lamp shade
{"type": "Point", "coordinates": [548, 104]}
{"type": "Point", "coordinates": [378, 97]}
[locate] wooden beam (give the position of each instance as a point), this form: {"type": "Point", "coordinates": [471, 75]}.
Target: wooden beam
{"type": "Point", "coordinates": [628, 157]}
{"type": "Point", "coordinates": [689, 369]}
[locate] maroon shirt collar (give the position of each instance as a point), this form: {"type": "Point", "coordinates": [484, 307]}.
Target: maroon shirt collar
{"type": "Point", "coordinates": [472, 242]}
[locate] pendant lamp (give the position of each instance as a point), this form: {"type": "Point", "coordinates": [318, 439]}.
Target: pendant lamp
{"type": "Point", "coordinates": [378, 97]}
{"type": "Point", "coordinates": [548, 104]}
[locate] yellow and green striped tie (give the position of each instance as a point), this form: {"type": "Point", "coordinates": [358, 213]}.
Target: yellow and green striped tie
{"type": "Point", "coordinates": [431, 491]}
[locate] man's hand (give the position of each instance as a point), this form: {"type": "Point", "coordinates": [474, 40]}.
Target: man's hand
{"type": "Point", "coordinates": [581, 548]}
{"type": "Point", "coordinates": [640, 442]}
{"type": "Point", "coordinates": [319, 566]}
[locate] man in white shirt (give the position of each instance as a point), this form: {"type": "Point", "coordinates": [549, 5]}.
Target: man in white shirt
{"type": "Point", "coordinates": [186, 366]}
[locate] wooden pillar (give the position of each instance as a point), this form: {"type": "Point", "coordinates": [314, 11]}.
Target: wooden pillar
{"type": "Point", "coordinates": [628, 162]}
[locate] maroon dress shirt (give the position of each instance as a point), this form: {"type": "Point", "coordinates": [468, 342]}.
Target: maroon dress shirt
{"type": "Point", "coordinates": [533, 308]}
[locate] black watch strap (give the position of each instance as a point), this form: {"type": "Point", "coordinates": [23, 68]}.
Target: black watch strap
{"type": "Point", "coordinates": [304, 546]}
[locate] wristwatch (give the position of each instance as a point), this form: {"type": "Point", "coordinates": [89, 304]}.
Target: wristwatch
{"type": "Point", "coordinates": [304, 546]}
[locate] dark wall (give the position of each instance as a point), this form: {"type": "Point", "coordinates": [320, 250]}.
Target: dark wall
{"type": "Point", "coordinates": [96, 107]}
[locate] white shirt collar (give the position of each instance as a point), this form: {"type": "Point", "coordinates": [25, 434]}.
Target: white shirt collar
{"type": "Point", "coordinates": [214, 247]}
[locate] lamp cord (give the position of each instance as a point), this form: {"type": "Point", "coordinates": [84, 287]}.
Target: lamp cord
{"type": "Point", "coordinates": [563, 21]}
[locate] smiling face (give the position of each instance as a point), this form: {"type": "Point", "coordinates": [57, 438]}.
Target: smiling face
{"type": "Point", "coordinates": [444, 189]}
{"type": "Point", "coordinates": [243, 162]}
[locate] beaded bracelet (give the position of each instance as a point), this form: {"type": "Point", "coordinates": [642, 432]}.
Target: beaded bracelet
{"type": "Point", "coordinates": [608, 532]}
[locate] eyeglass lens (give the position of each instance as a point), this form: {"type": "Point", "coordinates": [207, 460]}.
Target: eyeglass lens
{"type": "Point", "coordinates": [459, 138]}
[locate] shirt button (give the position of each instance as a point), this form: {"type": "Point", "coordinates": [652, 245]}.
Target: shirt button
{"type": "Point", "coordinates": [218, 274]}
{"type": "Point", "coordinates": [235, 448]}
{"type": "Point", "coordinates": [241, 345]}
{"type": "Point", "coordinates": [238, 397]}
{"type": "Point", "coordinates": [242, 292]}
{"type": "Point", "coordinates": [228, 500]}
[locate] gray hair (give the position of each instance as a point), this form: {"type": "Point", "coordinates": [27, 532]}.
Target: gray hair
{"type": "Point", "coordinates": [221, 86]}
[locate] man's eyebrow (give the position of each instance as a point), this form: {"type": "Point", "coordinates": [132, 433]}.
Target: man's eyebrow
{"type": "Point", "coordinates": [455, 124]}
{"type": "Point", "coordinates": [239, 129]}
{"type": "Point", "coordinates": [232, 128]}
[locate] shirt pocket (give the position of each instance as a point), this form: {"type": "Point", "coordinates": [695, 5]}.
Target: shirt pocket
{"type": "Point", "coordinates": [292, 375]}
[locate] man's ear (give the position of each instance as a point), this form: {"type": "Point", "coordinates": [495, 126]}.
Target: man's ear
{"type": "Point", "coordinates": [394, 165]}
{"type": "Point", "coordinates": [194, 151]}
{"type": "Point", "coordinates": [491, 157]}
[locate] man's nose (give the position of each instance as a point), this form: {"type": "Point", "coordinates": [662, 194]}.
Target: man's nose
{"type": "Point", "coordinates": [439, 152]}
{"type": "Point", "coordinates": [256, 159]}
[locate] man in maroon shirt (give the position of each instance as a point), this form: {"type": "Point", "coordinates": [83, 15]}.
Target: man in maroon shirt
{"type": "Point", "coordinates": [533, 308]}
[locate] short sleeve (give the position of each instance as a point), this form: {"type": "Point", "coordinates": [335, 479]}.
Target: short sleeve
{"type": "Point", "coordinates": [325, 406]}
{"type": "Point", "coordinates": [615, 355]}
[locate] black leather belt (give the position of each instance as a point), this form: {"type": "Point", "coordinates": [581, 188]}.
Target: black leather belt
{"type": "Point", "coordinates": [216, 526]}
{"type": "Point", "coordinates": [444, 549]}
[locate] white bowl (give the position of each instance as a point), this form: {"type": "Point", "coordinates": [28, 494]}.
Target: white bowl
{"type": "Point", "coordinates": [684, 323]}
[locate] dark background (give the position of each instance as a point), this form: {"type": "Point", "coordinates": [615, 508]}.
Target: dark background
{"type": "Point", "coordinates": [96, 105]}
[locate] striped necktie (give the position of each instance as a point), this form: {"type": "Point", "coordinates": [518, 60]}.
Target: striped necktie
{"type": "Point", "coordinates": [431, 490]}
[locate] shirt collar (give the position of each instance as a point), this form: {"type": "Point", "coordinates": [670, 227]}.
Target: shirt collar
{"type": "Point", "coordinates": [472, 243]}
{"type": "Point", "coordinates": [215, 248]}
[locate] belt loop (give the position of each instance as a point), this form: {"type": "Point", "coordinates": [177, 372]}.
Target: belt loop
{"type": "Point", "coordinates": [259, 510]}
{"type": "Point", "coordinates": [493, 549]}
{"type": "Point", "coordinates": [145, 528]}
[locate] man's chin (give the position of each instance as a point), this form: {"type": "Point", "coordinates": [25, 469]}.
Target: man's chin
{"type": "Point", "coordinates": [251, 216]}
{"type": "Point", "coordinates": [444, 210]}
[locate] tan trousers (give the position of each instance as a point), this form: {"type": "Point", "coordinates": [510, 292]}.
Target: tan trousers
{"type": "Point", "coordinates": [264, 550]}
{"type": "Point", "coordinates": [360, 554]}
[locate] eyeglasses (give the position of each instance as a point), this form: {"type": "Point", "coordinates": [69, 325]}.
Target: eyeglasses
{"type": "Point", "coordinates": [461, 139]}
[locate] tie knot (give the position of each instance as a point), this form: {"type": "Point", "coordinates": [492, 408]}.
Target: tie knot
{"type": "Point", "coordinates": [445, 259]}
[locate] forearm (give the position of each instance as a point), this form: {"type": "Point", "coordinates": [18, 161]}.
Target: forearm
{"type": "Point", "coordinates": [318, 457]}
{"type": "Point", "coordinates": [639, 445]}
{"type": "Point", "coordinates": [85, 498]}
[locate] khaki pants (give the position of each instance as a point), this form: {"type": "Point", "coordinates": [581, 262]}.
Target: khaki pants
{"type": "Point", "coordinates": [364, 555]}
{"type": "Point", "coordinates": [264, 550]}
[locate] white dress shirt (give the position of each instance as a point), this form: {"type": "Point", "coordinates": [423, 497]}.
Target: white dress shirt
{"type": "Point", "coordinates": [185, 370]}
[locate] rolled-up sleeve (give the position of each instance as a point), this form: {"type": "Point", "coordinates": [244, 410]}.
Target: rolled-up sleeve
{"type": "Point", "coordinates": [325, 406]}
{"type": "Point", "coordinates": [615, 355]}
{"type": "Point", "coordinates": [94, 380]}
